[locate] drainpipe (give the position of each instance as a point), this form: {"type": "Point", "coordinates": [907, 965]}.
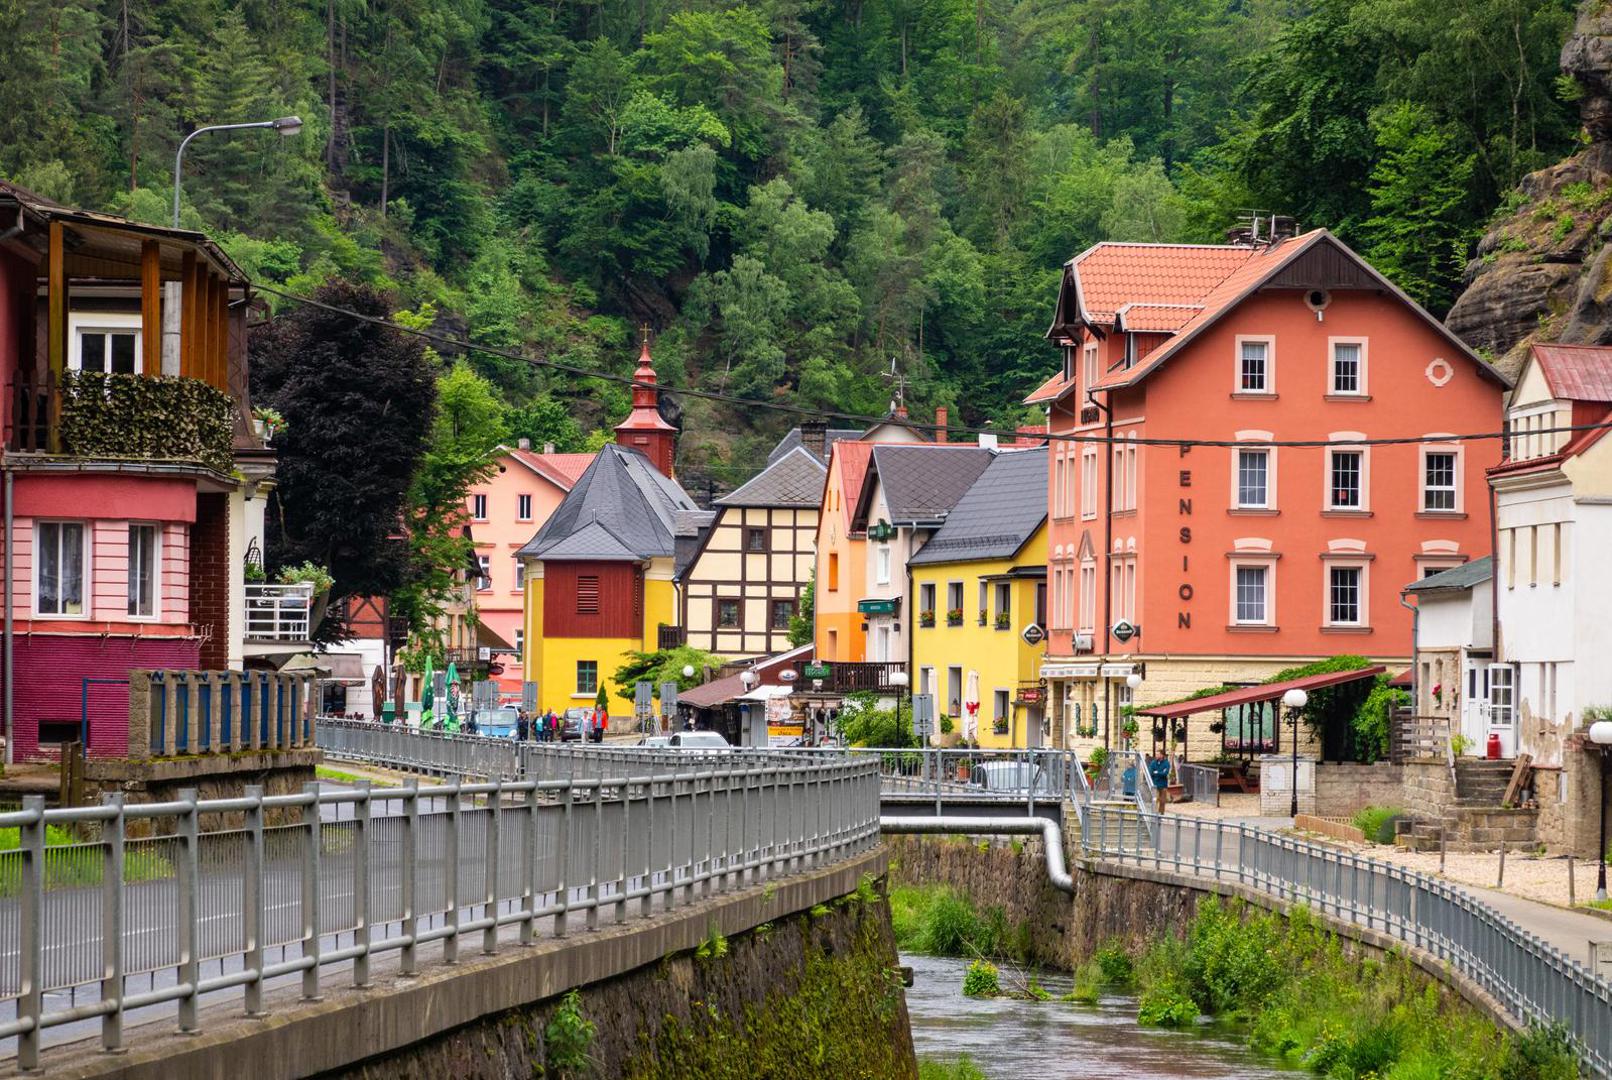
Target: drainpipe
{"type": "Point", "coordinates": [10, 636]}
{"type": "Point", "coordinates": [1049, 831]}
{"type": "Point", "coordinates": [1416, 623]}
{"type": "Point", "coordinates": [1108, 557]}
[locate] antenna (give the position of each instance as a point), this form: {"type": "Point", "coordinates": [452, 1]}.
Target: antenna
{"type": "Point", "coordinates": [898, 383]}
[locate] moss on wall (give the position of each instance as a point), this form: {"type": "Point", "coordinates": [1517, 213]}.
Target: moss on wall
{"type": "Point", "coordinates": [811, 994]}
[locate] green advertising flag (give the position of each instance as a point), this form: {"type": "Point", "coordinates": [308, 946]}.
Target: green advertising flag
{"type": "Point", "coordinates": [451, 723]}
{"type": "Point", "coordinates": [427, 695]}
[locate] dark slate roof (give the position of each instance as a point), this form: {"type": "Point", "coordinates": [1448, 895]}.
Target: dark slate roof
{"type": "Point", "coordinates": [792, 439]}
{"type": "Point", "coordinates": [923, 482]}
{"type": "Point", "coordinates": [796, 479]}
{"type": "Point", "coordinates": [635, 506]}
{"type": "Point", "coordinates": [998, 514]}
{"type": "Point", "coordinates": [1466, 576]}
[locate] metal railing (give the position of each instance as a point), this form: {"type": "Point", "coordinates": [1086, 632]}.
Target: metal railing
{"type": "Point", "coordinates": [1532, 980]}
{"type": "Point", "coordinates": [1199, 783]}
{"type": "Point", "coordinates": [361, 873]}
{"type": "Point", "coordinates": [850, 678]}
{"type": "Point", "coordinates": [1414, 737]}
{"type": "Point", "coordinates": [279, 612]}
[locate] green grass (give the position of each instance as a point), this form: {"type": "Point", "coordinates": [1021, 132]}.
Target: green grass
{"type": "Point", "coordinates": [75, 864]}
{"type": "Point", "coordinates": [1377, 823]}
{"type": "Point", "coordinates": [942, 922]}
{"type": "Point", "coordinates": [961, 1069]}
{"type": "Point", "coordinates": [324, 772]}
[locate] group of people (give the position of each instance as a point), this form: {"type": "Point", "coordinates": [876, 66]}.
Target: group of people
{"type": "Point", "coordinates": [549, 726]}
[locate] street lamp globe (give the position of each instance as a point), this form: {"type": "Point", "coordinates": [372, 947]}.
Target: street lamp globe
{"type": "Point", "coordinates": [288, 125]}
{"type": "Point", "coordinates": [1295, 698]}
{"type": "Point", "coordinates": [1601, 733]}
{"type": "Point", "coordinates": [1133, 680]}
{"type": "Point", "coordinates": [898, 679]}
{"type": "Point", "coordinates": [749, 678]}
{"type": "Point", "coordinates": [688, 671]}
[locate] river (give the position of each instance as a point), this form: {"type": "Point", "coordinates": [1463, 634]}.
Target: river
{"type": "Point", "coordinates": [1054, 1040]}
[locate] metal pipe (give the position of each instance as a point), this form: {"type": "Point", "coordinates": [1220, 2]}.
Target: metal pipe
{"type": "Point", "coordinates": [1051, 836]}
{"type": "Point", "coordinates": [10, 633]}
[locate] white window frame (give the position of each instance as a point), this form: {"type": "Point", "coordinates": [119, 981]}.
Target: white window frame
{"type": "Point", "coordinates": [80, 323]}
{"type": "Point", "coordinates": [520, 575]}
{"type": "Point", "coordinates": [520, 645]}
{"type": "Point", "coordinates": [523, 507]}
{"type": "Point", "coordinates": [1088, 596]}
{"type": "Point", "coordinates": [1237, 453]}
{"type": "Point", "coordinates": [881, 564]}
{"type": "Point", "coordinates": [1088, 483]}
{"type": "Point", "coordinates": [1363, 506]}
{"type": "Point", "coordinates": [156, 569]}
{"type": "Point", "coordinates": [478, 506]}
{"type": "Point", "coordinates": [1455, 451]}
{"type": "Point", "coordinates": [86, 591]}
{"type": "Point", "coordinates": [1090, 369]}
{"type": "Point", "coordinates": [1328, 565]}
{"type": "Point", "coordinates": [484, 580]}
{"type": "Point", "coordinates": [1266, 563]}
{"type": "Point", "coordinates": [1267, 340]}
{"type": "Point", "coordinates": [1360, 389]}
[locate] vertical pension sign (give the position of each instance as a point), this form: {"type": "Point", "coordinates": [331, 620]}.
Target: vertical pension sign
{"type": "Point", "coordinates": [1184, 591]}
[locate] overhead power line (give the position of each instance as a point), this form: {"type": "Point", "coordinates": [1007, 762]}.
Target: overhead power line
{"type": "Point", "coordinates": [863, 420]}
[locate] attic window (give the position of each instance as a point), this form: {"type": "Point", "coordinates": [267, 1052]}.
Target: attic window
{"type": "Point", "coordinates": [588, 595]}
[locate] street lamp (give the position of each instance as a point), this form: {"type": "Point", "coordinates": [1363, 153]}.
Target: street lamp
{"type": "Point", "coordinates": [688, 671]}
{"type": "Point", "coordinates": [748, 679]}
{"type": "Point", "coordinates": [1601, 736]}
{"type": "Point", "coordinates": [1294, 700]}
{"type": "Point", "coordinates": [285, 125]}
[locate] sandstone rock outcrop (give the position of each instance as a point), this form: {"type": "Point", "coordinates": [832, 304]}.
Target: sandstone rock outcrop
{"type": "Point", "coordinates": [1543, 272]}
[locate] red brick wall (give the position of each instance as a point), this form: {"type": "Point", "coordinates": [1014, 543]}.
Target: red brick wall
{"type": "Point", "coordinates": [209, 579]}
{"type": "Point", "coordinates": [51, 669]}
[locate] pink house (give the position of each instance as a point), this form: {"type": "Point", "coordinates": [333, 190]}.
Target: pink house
{"type": "Point", "coordinates": [133, 473]}
{"type": "Point", "coordinates": [505, 512]}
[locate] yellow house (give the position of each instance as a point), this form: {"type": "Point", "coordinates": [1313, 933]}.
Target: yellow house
{"type": "Point", "coordinates": [600, 572]}
{"type": "Point", "coordinates": [978, 592]}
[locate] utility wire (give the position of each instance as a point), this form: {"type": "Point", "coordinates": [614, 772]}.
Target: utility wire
{"type": "Point", "coordinates": [870, 421]}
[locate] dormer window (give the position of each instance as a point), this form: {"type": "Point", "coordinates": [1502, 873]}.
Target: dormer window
{"type": "Point", "coordinates": [1130, 350]}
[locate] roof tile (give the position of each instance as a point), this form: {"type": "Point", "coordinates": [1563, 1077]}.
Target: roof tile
{"type": "Point", "coordinates": [1577, 372]}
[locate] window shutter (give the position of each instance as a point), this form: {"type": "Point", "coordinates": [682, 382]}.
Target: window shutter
{"type": "Point", "coordinates": [588, 595]}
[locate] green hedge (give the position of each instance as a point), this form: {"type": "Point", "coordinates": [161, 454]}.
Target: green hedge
{"type": "Point", "coordinates": [141, 418]}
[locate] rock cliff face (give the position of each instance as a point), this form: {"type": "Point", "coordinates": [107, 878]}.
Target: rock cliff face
{"type": "Point", "coordinates": [1543, 272]}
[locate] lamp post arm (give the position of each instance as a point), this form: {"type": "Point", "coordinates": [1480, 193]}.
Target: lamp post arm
{"type": "Point", "coordinates": [179, 155]}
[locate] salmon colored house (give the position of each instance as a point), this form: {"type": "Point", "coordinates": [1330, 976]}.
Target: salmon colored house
{"type": "Point", "coordinates": [505, 510]}
{"type": "Point", "coordinates": [1199, 565]}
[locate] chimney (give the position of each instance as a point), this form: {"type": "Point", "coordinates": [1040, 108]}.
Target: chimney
{"type": "Point", "coordinates": [524, 444]}
{"type": "Point", "coordinates": [940, 424]}
{"type": "Point", "coordinates": [987, 440]}
{"type": "Point", "coordinates": [1031, 435]}
{"type": "Point", "coordinates": [548, 448]}
{"type": "Point", "coordinates": [901, 411]}
{"type": "Point", "coordinates": [814, 437]}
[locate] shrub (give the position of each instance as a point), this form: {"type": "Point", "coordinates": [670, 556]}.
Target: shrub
{"type": "Point", "coordinates": [1114, 964]}
{"type": "Point", "coordinates": [1088, 984]}
{"type": "Point", "coordinates": [961, 1069]}
{"type": "Point", "coordinates": [1167, 1006]}
{"type": "Point", "coordinates": [567, 1037]}
{"type": "Point", "coordinates": [1541, 1053]}
{"type": "Point", "coordinates": [1377, 823]}
{"type": "Point", "coordinates": [980, 980]}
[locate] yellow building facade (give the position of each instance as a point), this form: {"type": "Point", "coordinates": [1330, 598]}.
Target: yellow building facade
{"type": "Point", "coordinates": [978, 602]}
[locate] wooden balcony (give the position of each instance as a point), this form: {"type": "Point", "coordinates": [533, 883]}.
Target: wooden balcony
{"type": "Point", "coordinates": [848, 678]}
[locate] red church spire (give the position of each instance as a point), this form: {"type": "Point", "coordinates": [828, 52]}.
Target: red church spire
{"type": "Point", "coordinates": [645, 429]}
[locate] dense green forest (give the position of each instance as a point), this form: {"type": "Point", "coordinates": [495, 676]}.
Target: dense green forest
{"type": "Point", "coordinates": [793, 193]}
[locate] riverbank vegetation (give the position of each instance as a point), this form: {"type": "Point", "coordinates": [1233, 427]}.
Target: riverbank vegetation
{"type": "Point", "coordinates": [1382, 1017]}
{"type": "Point", "coordinates": [942, 922]}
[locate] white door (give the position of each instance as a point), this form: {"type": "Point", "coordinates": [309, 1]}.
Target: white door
{"type": "Point", "coordinates": [1475, 702]}
{"type": "Point", "coordinates": [881, 643]}
{"type": "Point", "coordinates": [1503, 708]}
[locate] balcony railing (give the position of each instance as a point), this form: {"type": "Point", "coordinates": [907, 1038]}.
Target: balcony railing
{"type": "Point", "coordinates": [123, 417]}
{"type": "Point", "coordinates": [276, 612]}
{"type": "Point", "coordinates": [848, 678]}
{"type": "Point", "coordinates": [670, 637]}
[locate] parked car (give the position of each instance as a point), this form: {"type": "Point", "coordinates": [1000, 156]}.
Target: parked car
{"type": "Point", "coordinates": [655, 742]}
{"type": "Point", "coordinates": [699, 740]}
{"type": "Point", "coordinates": [499, 723]}
{"type": "Point", "coordinates": [577, 721]}
{"type": "Point", "coordinates": [1009, 776]}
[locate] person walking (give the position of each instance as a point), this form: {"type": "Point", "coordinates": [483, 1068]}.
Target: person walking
{"type": "Point", "coordinates": [1158, 770]}
{"type": "Point", "coordinates": [520, 726]}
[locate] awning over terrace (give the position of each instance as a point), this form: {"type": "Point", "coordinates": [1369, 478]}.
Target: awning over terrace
{"type": "Point", "coordinates": [1247, 695]}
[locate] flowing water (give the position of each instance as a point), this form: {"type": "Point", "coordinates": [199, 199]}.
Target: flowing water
{"type": "Point", "coordinates": [1054, 1040]}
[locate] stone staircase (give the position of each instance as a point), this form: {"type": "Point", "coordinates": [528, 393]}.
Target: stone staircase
{"type": "Point", "coordinates": [1477, 821]}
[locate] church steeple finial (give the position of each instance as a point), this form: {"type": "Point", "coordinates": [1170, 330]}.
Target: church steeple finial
{"type": "Point", "coordinates": [645, 429]}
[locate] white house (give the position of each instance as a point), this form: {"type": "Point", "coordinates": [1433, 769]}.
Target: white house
{"type": "Point", "coordinates": [1455, 647]}
{"type": "Point", "coordinates": [1553, 557]}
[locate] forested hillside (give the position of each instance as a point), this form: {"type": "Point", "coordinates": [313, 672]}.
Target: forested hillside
{"type": "Point", "coordinates": [792, 193]}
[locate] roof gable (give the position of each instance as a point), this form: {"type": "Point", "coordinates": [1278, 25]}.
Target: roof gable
{"type": "Point", "coordinates": [795, 479]}
{"type": "Point", "coordinates": [561, 470]}
{"type": "Point", "coordinates": [922, 482]}
{"type": "Point", "coordinates": [1573, 372]}
{"type": "Point", "coordinates": [635, 504]}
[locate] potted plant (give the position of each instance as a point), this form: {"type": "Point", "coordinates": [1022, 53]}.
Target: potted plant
{"type": "Point", "coordinates": [926, 618]}
{"type": "Point", "coordinates": [954, 617]}
{"type": "Point", "coordinates": [1004, 620]}
{"type": "Point", "coordinates": [949, 735]}
{"type": "Point", "coordinates": [320, 579]}
{"type": "Point", "coordinates": [254, 572]}
{"type": "Point", "coordinates": [266, 421]}
{"type": "Point", "coordinates": [1097, 762]}
{"type": "Point", "coordinates": [999, 726]}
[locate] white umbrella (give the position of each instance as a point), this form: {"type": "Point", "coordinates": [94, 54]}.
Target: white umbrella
{"type": "Point", "coordinates": [971, 697]}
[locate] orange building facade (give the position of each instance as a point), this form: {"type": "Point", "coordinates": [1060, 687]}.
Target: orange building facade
{"type": "Point", "coordinates": [1228, 563]}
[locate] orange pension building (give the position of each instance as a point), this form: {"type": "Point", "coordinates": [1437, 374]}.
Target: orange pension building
{"type": "Point", "coordinates": [1229, 563]}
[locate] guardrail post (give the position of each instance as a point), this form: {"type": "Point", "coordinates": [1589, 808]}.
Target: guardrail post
{"type": "Point", "coordinates": [252, 892]}
{"type": "Point", "coordinates": [592, 920]}
{"type": "Point", "coordinates": [562, 859]}
{"type": "Point", "coordinates": [450, 878]}
{"type": "Point", "coordinates": [646, 904]}
{"type": "Point", "coordinates": [489, 911]}
{"type": "Point", "coordinates": [361, 924]}
{"type": "Point", "coordinates": [408, 959]}
{"type": "Point", "coordinates": [312, 842]}
{"type": "Point", "coordinates": [529, 865]}
{"type": "Point", "coordinates": [112, 834]}
{"type": "Point", "coordinates": [626, 846]}
{"type": "Point", "coordinates": [31, 961]}
{"type": "Point", "coordinates": [189, 874]}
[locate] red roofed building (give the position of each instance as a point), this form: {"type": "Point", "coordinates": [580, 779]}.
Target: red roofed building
{"type": "Point", "coordinates": [1232, 562]}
